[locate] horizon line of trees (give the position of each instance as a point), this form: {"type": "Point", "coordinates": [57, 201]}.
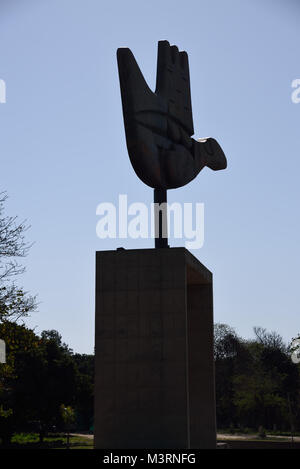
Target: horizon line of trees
{"type": "Point", "coordinates": [257, 384]}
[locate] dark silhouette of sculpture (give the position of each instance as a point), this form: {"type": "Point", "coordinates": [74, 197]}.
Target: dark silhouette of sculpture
{"type": "Point", "coordinates": [154, 380]}
{"type": "Point", "coordinates": [159, 125]}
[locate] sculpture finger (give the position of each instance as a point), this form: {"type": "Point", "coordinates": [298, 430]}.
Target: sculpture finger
{"type": "Point", "coordinates": [164, 68]}
{"type": "Point", "coordinates": [135, 92]}
{"type": "Point", "coordinates": [175, 55]}
{"type": "Point", "coordinates": [173, 84]}
{"type": "Point", "coordinates": [184, 61]}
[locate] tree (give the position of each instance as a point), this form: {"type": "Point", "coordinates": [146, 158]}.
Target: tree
{"type": "Point", "coordinates": [68, 416]}
{"type": "Point", "coordinates": [22, 347]}
{"type": "Point", "coordinates": [257, 384]}
{"type": "Point", "coordinates": [229, 352]}
{"type": "Point", "coordinates": [14, 302]}
{"type": "Point", "coordinates": [268, 383]}
{"type": "Point", "coordinates": [84, 398]}
{"type": "Point", "coordinates": [39, 375]}
{"type": "Point", "coordinates": [225, 341]}
{"type": "Point", "coordinates": [59, 381]}
{"type": "Point", "coordinates": [269, 339]}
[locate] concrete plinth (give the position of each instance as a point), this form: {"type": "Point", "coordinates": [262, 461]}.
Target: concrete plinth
{"type": "Point", "coordinates": [154, 350]}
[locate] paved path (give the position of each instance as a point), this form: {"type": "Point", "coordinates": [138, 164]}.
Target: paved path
{"type": "Point", "coordinates": [228, 437]}
{"type": "Point", "coordinates": [220, 436]}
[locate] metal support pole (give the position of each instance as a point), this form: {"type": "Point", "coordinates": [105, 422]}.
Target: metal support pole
{"type": "Point", "coordinates": [160, 217]}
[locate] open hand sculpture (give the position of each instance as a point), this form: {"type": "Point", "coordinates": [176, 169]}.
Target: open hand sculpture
{"type": "Point", "coordinates": [159, 125]}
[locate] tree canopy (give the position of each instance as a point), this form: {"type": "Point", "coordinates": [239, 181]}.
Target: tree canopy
{"type": "Point", "coordinates": [257, 384]}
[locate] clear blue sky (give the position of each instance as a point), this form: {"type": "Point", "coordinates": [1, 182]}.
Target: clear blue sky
{"type": "Point", "coordinates": [63, 147]}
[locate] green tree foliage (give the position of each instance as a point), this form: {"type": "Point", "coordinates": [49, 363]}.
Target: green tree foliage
{"type": "Point", "coordinates": [68, 417]}
{"type": "Point", "coordinates": [40, 374]}
{"type": "Point", "coordinates": [84, 401]}
{"type": "Point", "coordinates": [20, 343]}
{"type": "Point", "coordinates": [226, 341]}
{"type": "Point", "coordinates": [257, 383]}
{"type": "Point", "coordinates": [49, 378]}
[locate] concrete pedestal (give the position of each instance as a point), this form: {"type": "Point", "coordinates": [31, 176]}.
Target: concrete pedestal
{"type": "Point", "coordinates": [154, 350]}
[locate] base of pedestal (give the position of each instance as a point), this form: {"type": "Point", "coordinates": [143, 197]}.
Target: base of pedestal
{"type": "Point", "coordinates": [154, 384]}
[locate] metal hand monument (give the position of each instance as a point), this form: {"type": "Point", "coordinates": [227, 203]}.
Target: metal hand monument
{"type": "Point", "coordinates": [159, 125]}
{"type": "Point", "coordinates": [154, 383]}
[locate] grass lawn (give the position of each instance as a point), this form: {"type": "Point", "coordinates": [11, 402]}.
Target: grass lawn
{"type": "Point", "coordinates": [81, 441]}
{"type": "Point", "coordinates": [51, 441]}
